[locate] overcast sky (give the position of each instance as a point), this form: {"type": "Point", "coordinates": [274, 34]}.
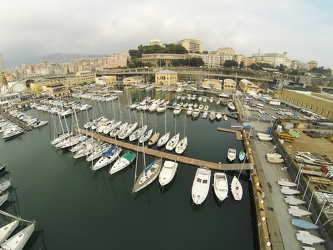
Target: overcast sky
{"type": "Point", "coordinates": [302, 28]}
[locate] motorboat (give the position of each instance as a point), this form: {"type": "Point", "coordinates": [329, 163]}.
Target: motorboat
{"type": "Point", "coordinates": [286, 183]}
{"type": "Point", "coordinates": [7, 230]}
{"type": "Point", "coordinates": [291, 200]}
{"type": "Point", "coordinates": [231, 106]}
{"type": "Point", "coordinates": [303, 224]}
{"type": "Point", "coordinates": [122, 162]}
{"type": "Point", "coordinates": [195, 113]}
{"type": "Point", "coordinates": [168, 172]}
{"type": "Point", "coordinates": [19, 240]}
{"type": "Point", "coordinates": [107, 157]}
{"type": "Point", "coordinates": [177, 110]}
{"type": "Point", "coordinates": [273, 155]}
{"type": "Point", "coordinates": [212, 116]}
{"type": "Point", "coordinates": [236, 189]}
{"type": "Point", "coordinates": [204, 114]}
{"type": "Point", "coordinates": [172, 143]}
{"type": "Point", "coordinates": [163, 140]}
{"type": "Point", "coordinates": [181, 146]}
{"type": "Point", "coordinates": [12, 133]}
{"type": "Point", "coordinates": [225, 117]}
{"type": "Point", "coordinates": [148, 175]}
{"type": "Point", "coordinates": [218, 116]}
{"type": "Point", "coordinates": [306, 238]}
{"type": "Point", "coordinates": [241, 156]}
{"type": "Point", "coordinates": [275, 159]}
{"type": "Point", "coordinates": [154, 138]}
{"type": "Point", "coordinates": [38, 123]}
{"type": "Point", "coordinates": [201, 185]}
{"type": "Point", "coordinates": [231, 154]}
{"type": "Point", "coordinates": [289, 191]}
{"type": "Point", "coordinates": [221, 186]}
{"type": "Point", "coordinates": [297, 212]}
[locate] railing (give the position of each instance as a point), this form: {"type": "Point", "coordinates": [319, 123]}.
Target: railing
{"type": "Point", "coordinates": [326, 232]}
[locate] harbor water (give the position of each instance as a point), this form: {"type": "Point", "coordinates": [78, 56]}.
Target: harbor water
{"type": "Point", "coordinates": [77, 208]}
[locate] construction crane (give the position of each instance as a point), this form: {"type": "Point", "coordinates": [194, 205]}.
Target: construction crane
{"type": "Point", "coordinates": [4, 81]}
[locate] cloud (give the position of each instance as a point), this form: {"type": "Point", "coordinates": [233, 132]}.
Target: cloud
{"type": "Point", "coordinates": [303, 28]}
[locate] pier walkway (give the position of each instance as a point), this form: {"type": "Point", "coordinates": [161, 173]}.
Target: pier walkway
{"type": "Point", "coordinates": [169, 156]}
{"type": "Point", "coordinates": [237, 132]}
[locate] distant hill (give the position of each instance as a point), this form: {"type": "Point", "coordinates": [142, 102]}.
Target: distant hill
{"type": "Point", "coordinates": [60, 57]}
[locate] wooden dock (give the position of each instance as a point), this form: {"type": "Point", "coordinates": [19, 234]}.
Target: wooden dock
{"type": "Point", "coordinates": [237, 132]}
{"type": "Point", "coordinates": [169, 156]}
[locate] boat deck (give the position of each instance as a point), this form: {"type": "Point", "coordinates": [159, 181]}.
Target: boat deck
{"type": "Point", "coordinates": [169, 156]}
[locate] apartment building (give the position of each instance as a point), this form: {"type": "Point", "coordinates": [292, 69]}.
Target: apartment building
{"type": "Point", "coordinates": [118, 60]}
{"type": "Point", "coordinates": [273, 58]}
{"type": "Point", "coordinates": [192, 45]}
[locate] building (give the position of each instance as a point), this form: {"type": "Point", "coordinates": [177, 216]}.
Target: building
{"type": "Point", "coordinates": [274, 59]}
{"type": "Point", "coordinates": [212, 84]}
{"type": "Point", "coordinates": [211, 60]}
{"type": "Point", "coordinates": [155, 41]}
{"type": "Point", "coordinates": [9, 99]}
{"type": "Point", "coordinates": [226, 51]}
{"type": "Point", "coordinates": [117, 60]}
{"type": "Point", "coordinates": [166, 78]}
{"type": "Point", "coordinates": [192, 45]}
{"type": "Point", "coordinates": [229, 85]}
{"type": "Point", "coordinates": [85, 76]}
{"type": "Point", "coordinates": [56, 89]}
{"type": "Point", "coordinates": [320, 104]}
{"type": "Point", "coordinates": [248, 87]}
{"type": "Point", "coordinates": [133, 80]}
{"type": "Point", "coordinates": [312, 64]}
{"type": "Point", "coordinates": [157, 58]}
{"type": "Point", "coordinates": [106, 80]}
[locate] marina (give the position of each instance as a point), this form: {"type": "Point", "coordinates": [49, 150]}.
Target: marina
{"type": "Point", "coordinates": [173, 157]}
{"type": "Point", "coordinates": [83, 190]}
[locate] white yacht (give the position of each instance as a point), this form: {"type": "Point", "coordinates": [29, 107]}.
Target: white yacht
{"type": "Point", "coordinates": [168, 172]}
{"type": "Point", "coordinates": [201, 185]}
{"type": "Point", "coordinates": [221, 186]}
{"type": "Point", "coordinates": [231, 154]}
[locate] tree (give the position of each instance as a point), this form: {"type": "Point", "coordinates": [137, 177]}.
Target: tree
{"type": "Point", "coordinates": [230, 63]}
{"type": "Point", "coordinates": [282, 68]}
{"type": "Point", "coordinates": [241, 65]}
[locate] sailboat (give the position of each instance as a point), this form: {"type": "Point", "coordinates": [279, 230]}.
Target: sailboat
{"type": "Point", "coordinates": [182, 144]}
{"type": "Point", "coordinates": [148, 175]}
{"type": "Point", "coordinates": [154, 138]}
{"type": "Point", "coordinates": [167, 173]}
{"type": "Point", "coordinates": [122, 162]}
{"type": "Point", "coordinates": [306, 238]}
{"type": "Point", "coordinates": [236, 189]}
{"type": "Point", "coordinates": [5, 185]}
{"type": "Point", "coordinates": [7, 230]}
{"type": "Point", "coordinates": [164, 139]}
{"type": "Point", "coordinates": [107, 157]}
{"type": "Point", "coordinates": [3, 198]}
{"type": "Point", "coordinates": [221, 186]}
{"type": "Point", "coordinates": [145, 136]}
{"type": "Point", "coordinates": [172, 143]}
{"type": "Point", "coordinates": [19, 240]}
{"type": "Point", "coordinates": [201, 184]}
